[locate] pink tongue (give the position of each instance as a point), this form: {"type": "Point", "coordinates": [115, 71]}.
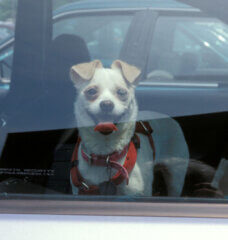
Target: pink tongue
{"type": "Point", "coordinates": [105, 127]}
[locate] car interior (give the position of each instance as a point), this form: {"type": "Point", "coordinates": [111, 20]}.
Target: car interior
{"type": "Point", "coordinates": [40, 131]}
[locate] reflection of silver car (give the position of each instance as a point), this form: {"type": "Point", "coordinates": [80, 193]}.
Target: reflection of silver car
{"type": "Point", "coordinates": [6, 30]}
{"type": "Point", "coordinates": [197, 44]}
{"type": "Point", "coordinates": [6, 36]}
{"type": "Point", "coordinates": [192, 58]}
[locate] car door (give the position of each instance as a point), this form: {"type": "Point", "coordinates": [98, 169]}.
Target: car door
{"type": "Point", "coordinates": [28, 149]}
{"type": "Point", "coordinates": [186, 78]}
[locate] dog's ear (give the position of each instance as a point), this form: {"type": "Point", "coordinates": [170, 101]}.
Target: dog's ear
{"type": "Point", "coordinates": [130, 72]}
{"type": "Point", "coordinates": [84, 71]}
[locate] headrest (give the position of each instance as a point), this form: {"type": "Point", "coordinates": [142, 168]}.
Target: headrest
{"type": "Point", "coordinates": [70, 48]}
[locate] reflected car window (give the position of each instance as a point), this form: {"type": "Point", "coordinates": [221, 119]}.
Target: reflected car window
{"type": "Point", "coordinates": [7, 29]}
{"type": "Point", "coordinates": [153, 128]}
{"type": "Point", "coordinates": [196, 46]}
{"type": "Point", "coordinates": [103, 35]}
{"type": "Point", "coordinates": [5, 32]}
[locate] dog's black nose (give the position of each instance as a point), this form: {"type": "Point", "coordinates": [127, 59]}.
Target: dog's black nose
{"type": "Point", "coordinates": [106, 106]}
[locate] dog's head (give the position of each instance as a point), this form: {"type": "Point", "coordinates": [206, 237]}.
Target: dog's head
{"type": "Point", "coordinates": [105, 95]}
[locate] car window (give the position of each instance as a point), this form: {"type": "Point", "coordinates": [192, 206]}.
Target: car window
{"type": "Point", "coordinates": [5, 32]}
{"type": "Point", "coordinates": [153, 131]}
{"type": "Point", "coordinates": [104, 35]}
{"type": "Point", "coordinates": [196, 46]}
{"type": "Point", "coordinates": [7, 27]}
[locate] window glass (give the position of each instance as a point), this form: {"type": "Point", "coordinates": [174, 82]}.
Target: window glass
{"type": "Point", "coordinates": [7, 26]}
{"type": "Point", "coordinates": [103, 35]}
{"type": "Point", "coordinates": [5, 31]}
{"type": "Point", "coordinates": [58, 3]}
{"type": "Point", "coordinates": [73, 129]}
{"type": "Point", "coordinates": [196, 46]}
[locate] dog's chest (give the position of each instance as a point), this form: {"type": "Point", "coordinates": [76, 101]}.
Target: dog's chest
{"type": "Point", "coordinates": [140, 179]}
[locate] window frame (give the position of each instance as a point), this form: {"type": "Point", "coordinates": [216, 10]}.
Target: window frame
{"type": "Point", "coordinates": [156, 207]}
{"type": "Point", "coordinates": [91, 13]}
{"type": "Point", "coordinates": [44, 204]}
{"type": "Point", "coordinates": [175, 14]}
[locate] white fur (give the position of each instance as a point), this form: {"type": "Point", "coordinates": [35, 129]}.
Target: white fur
{"type": "Point", "coordinates": [171, 147]}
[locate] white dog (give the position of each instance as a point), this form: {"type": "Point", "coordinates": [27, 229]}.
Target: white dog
{"type": "Point", "coordinates": [106, 159]}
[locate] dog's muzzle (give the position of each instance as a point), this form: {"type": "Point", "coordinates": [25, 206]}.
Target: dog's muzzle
{"type": "Point", "coordinates": [105, 121]}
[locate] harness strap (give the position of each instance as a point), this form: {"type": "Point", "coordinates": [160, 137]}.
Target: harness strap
{"type": "Point", "coordinates": [123, 171]}
{"type": "Point", "coordinates": [118, 178]}
{"type": "Point", "coordinates": [129, 164]}
{"type": "Point", "coordinates": [144, 127]}
{"type": "Point", "coordinates": [108, 161]}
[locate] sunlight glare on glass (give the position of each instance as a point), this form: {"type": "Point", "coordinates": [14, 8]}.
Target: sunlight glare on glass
{"type": "Point", "coordinates": [221, 38]}
{"type": "Point", "coordinates": [207, 44]}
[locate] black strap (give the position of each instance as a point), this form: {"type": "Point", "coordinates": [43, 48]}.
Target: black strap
{"type": "Point", "coordinates": [135, 139]}
{"type": "Point", "coordinates": [74, 164]}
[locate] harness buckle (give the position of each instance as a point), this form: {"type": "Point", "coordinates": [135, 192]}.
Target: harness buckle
{"type": "Point", "coordinates": [84, 186]}
{"type": "Point", "coordinates": [145, 128]}
{"type": "Point", "coordinates": [109, 168]}
{"type": "Point", "coordinates": [90, 160]}
{"type": "Point", "coordinates": [108, 161]}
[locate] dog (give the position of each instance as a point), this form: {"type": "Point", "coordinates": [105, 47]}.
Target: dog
{"type": "Point", "coordinates": [106, 113]}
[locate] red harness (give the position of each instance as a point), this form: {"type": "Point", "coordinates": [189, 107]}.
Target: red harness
{"type": "Point", "coordinates": [110, 161]}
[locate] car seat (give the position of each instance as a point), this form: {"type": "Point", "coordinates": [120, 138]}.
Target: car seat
{"type": "Point", "coordinates": [65, 51]}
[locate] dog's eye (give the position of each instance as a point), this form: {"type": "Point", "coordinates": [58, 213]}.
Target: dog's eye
{"type": "Point", "coordinates": [122, 93]}
{"type": "Point", "coordinates": [91, 93]}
